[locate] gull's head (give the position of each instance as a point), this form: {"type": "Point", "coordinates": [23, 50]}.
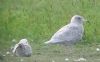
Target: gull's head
{"type": "Point", "coordinates": [77, 19]}
{"type": "Point", "coordinates": [23, 41]}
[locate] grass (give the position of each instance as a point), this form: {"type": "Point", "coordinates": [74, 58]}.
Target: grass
{"type": "Point", "coordinates": [38, 20]}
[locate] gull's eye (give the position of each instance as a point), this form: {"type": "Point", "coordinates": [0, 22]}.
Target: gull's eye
{"type": "Point", "coordinates": [20, 45]}
{"type": "Point", "coordinates": [79, 18]}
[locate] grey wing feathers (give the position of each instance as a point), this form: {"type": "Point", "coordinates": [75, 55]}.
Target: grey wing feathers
{"type": "Point", "coordinates": [67, 33]}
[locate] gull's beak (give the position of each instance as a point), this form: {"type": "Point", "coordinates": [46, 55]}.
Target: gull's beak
{"type": "Point", "coordinates": [85, 20]}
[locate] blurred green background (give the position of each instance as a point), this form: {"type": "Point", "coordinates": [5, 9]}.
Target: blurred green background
{"type": "Point", "coordinates": [38, 20]}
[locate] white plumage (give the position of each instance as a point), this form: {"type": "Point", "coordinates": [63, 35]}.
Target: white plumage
{"type": "Point", "coordinates": [70, 33]}
{"type": "Point", "coordinates": [22, 48]}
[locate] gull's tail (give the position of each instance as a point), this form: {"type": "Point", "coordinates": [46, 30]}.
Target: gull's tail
{"type": "Point", "coordinates": [47, 42]}
{"type": "Point", "coordinates": [50, 42]}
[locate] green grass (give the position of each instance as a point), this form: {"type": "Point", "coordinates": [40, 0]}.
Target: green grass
{"type": "Point", "coordinates": [38, 20]}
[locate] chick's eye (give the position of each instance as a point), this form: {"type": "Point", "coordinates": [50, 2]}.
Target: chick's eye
{"type": "Point", "coordinates": [20, 46]}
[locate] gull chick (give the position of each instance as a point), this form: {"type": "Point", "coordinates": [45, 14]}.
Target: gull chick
{"type": "Point", "coordinates": [22, 49]}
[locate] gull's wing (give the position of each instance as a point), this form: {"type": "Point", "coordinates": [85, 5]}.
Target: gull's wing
{"type": "Point", "coordinates": [67, 33]}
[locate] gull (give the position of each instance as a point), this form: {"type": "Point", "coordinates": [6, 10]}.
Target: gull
{"type": "Point", "coordinates": [22, 49]}
{"type": "Point", "coordinates": [70, 33]}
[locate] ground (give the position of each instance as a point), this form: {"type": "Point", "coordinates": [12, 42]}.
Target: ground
{"type": "Point", "coordinates": [58, 53]}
